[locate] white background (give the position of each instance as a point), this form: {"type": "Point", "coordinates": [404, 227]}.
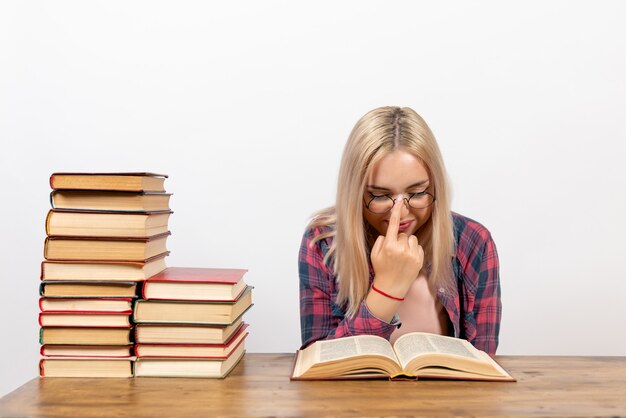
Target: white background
{"type": "Point", "coordinates": [247, 106]}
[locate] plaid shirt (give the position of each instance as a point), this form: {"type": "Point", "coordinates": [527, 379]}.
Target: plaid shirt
{"type": "Point", "coordinates": [473, 305]}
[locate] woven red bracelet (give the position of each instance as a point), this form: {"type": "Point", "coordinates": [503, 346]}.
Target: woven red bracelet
{"type": "Point", "coordinates": [375, 289]}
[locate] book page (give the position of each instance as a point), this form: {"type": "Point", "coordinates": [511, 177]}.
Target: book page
{"type": "Point", "coordinates": [348, 347]}
{"type": "Point", "coordinates": [414, 344]}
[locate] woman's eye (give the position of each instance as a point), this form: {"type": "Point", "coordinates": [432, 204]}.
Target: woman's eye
{"type": "Point", "coordinates": [379, 197]}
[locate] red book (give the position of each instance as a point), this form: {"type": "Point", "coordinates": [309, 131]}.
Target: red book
{"type": "Point", "coordinates": [198, 284]}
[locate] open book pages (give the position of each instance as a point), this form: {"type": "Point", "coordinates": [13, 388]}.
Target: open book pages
{"type": "Point", "coordinates": [413, 355]}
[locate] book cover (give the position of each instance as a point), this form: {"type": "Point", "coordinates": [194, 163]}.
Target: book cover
{"type": "Point", "coordinates": [197, 284]}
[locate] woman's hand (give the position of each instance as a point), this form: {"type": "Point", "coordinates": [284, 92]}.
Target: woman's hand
{"type": "Point", "coordinates": [397, 258]}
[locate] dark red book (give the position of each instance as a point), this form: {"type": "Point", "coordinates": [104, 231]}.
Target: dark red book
{"type": "Point", "coordinates": [199, 284]}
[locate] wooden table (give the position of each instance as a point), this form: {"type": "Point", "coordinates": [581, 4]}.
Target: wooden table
{"type": "Point", "coordinates": [260, 386]}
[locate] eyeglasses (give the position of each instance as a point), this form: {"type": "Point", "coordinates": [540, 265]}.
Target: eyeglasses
{"type": "Point", "coordinates": [383, 203]}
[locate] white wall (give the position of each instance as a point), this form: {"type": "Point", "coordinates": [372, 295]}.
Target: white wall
{"type": "Point", "coordinates": [247, 105]}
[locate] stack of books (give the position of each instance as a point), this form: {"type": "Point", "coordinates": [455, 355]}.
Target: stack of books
{"type": "Point", "coordinates": [106, 233]}
{"type": "Point", "coordinates": [189, 322]}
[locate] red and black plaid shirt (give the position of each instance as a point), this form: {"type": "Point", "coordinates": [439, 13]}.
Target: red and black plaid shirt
{"type": "Point", "coordinates": [474, 305]}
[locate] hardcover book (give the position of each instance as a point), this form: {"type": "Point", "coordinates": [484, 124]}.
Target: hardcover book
{"type": "Point", "coordinates": [216, 351]}
{"type": "Point", "coordinates": [121, 271]}
{"type": "Point", "coordinates": [96, 289]}
{"type": "Point", "coordinates": [106, 224]}
{"type": "Point", "coordinates": [105, 249]}
{"type": "Point", "coordinates": [186, 333]}
{"type": "Point", "coordinates": [415, 355]}
{"type": "Point", "coordinates": [109, 201]}
{"type": "Point", "coordinates": [192, 312]}
{"type": "Point", "coordinates": [58, 350]}
{"type": "Point", "coordinates": [84, 319]}
{"type": "Point", "coordinates": [68, 305]}
{"type": "Point", "coordinates": [85, 367]}
{"type": "Point", "coordinates": [188, 367]}
{"type": "Point", "coordinates": [132, 182]}
{"type": "Point", "coordinates": [201, 284]}
{"type": "Point", "coordinates": [84, 336]}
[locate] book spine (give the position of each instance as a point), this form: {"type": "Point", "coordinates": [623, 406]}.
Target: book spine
{"type": "Point", "coordinates": [41, 304]}
{"type": "Point", "coordinates": [41, 336]}
{"type": "Point", "coordinates": [41, 369]}
{"type": "Point", "coordinates": [48, 219]}
{"type": "Point", "coordinates": [41, 288]}
{"type": "Point", "coordinates": [143, 289]}
{"type": "Point", "coordinates": [41, 274]}
{"type": "Point", "coordinates": [45, 248]}
{"type": "Point", "coordinates": [52, 181]}
{"type": "Point", "coordinates": [52, 199]}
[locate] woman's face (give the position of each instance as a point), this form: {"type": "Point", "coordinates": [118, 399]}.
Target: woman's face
{"type": "Point", "coordinates": [399, 172]}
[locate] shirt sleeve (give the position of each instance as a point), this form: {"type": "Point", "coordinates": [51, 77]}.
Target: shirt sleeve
{"type": "Point", "coordinates": [487, 303]}
{"type": "Point", "coordinates": [320, 317]}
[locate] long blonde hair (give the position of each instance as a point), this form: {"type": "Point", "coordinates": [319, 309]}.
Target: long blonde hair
{"type": "Point", "coordinates": [374, 136]}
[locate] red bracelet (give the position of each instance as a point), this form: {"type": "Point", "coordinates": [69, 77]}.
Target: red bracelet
{"type": "Point", "coordinates": [375, 289]}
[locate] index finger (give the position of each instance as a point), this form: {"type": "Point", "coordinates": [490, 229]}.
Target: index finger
{"type": "Point", "coordinates": [394, 219]}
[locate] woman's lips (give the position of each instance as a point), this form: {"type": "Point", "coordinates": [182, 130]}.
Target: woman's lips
{"type": "Point", "coordinates": [404, 226]}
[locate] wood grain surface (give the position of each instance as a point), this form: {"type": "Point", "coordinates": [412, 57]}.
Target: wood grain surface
{"type": "Point", "coordinates": [260, 386]}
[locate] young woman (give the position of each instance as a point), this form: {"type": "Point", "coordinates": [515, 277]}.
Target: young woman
{"type": "Point", "coordinates": [390, 257]}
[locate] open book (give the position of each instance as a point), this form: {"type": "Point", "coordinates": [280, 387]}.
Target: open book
{"type": "Point", "coordinates": [414, 355]}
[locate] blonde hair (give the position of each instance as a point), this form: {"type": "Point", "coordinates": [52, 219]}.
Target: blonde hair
{"type": "Point", "coordinates": [375, 135]}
